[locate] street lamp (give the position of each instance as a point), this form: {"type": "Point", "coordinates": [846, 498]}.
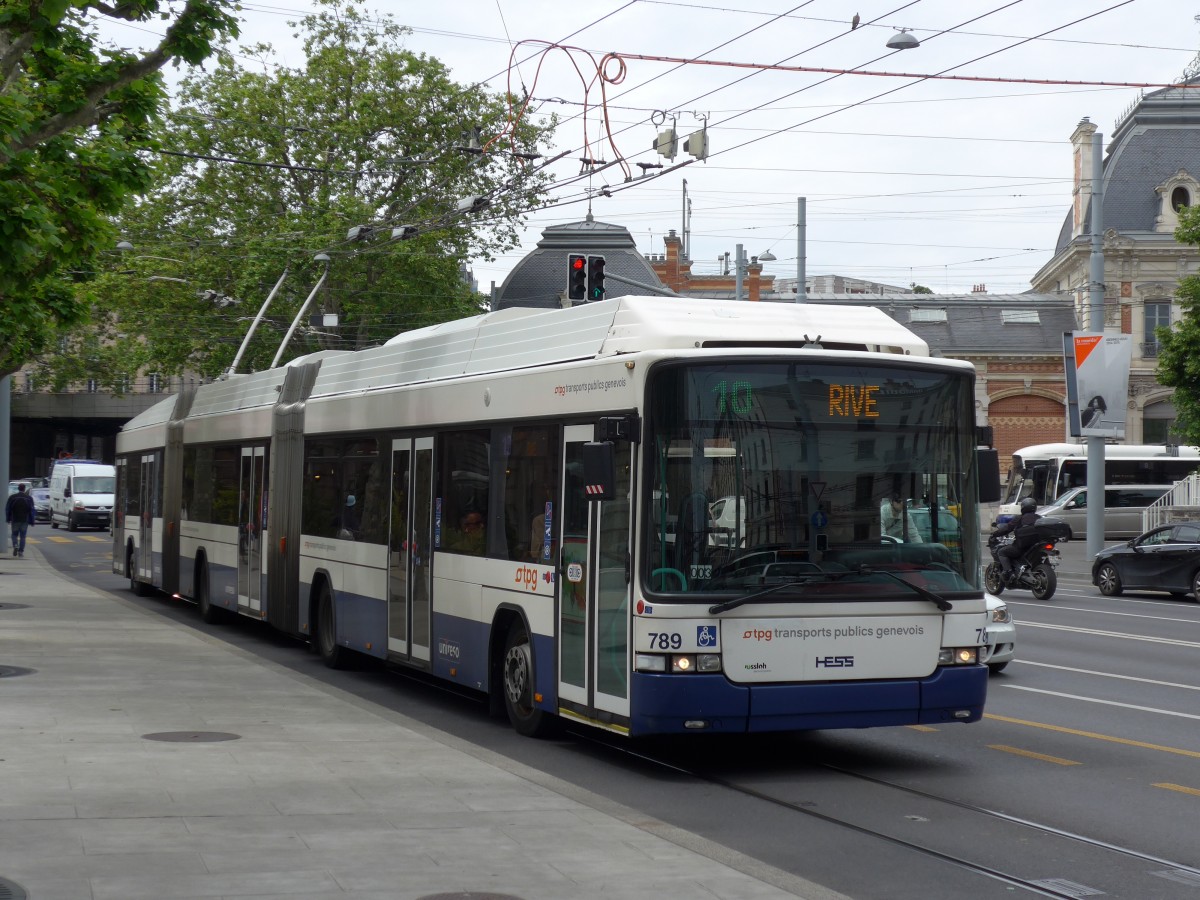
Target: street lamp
{"type": "Point", "coordinates": [766, 257]}
{"type": "Point", "coordinates": [902, 40]}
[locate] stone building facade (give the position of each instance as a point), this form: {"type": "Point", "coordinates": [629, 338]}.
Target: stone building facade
{"type": "Point", "coordinates": [1151, 169]}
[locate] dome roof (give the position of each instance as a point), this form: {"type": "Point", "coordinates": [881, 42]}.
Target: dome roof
{"type": "Point", "coordinates": [1159, 136]}
{"type": "Point", "coordinates": [539, 278]}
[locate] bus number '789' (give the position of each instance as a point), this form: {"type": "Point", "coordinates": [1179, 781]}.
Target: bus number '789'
{"type": "Point", "coordinates": [661, 640]}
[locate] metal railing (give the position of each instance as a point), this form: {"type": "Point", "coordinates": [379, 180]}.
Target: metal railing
{"type": "Point", "coordinates": [1181, 501]}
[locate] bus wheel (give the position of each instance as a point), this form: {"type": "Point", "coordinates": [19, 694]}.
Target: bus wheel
{"type": "Point", "coordinates": [526, 719]}
{"type": "Point", "coordinates": [208, 612]}
{"type": "Point", "coordinates": [334, 656]}
{"type": "Point", "coordinates": [139, 589]}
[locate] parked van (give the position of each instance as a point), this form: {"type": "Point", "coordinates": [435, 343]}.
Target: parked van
{"type": "Point", "coordinates": [1123, 508]}
{"type": "Point", "coordinates": [81, 494]}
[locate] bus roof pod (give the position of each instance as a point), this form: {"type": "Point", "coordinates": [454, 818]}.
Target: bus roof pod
{"type": "Point", "coordinates": [521, 338]}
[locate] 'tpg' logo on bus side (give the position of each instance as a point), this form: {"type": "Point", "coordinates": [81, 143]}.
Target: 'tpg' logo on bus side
{"type": "Point", "coordinates": [527, 576]}
{"type": "Point", "coordinates": [834, 662]}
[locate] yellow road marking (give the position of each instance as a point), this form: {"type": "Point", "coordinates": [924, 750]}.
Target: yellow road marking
{"type": "Point", "coordinates": [1057, 760]}
{"type": "Point", "coordinates": [922, 728]}
{"type": "Point", "coordinates": [61, 540]}
{"type": "Point", "coordinates": [1179, 787]}
{"type": "Point", "coordinates": [94, 539]}
{"type": "Point", "coordinates": [1194, 754]}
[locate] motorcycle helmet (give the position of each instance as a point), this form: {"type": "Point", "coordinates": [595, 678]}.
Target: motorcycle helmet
{"type": "Point", "coordinates": [1028, 505]}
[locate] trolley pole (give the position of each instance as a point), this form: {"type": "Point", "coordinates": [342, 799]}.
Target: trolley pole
{"type": "Point", "coordinates": [1095, 445]}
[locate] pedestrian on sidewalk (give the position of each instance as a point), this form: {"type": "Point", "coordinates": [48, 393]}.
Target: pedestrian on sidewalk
{"type": "Point", "coordinates": [19, 511]}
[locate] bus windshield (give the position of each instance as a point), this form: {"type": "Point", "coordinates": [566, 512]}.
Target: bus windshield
{"type": "Point", "coordinates": [826, 478]}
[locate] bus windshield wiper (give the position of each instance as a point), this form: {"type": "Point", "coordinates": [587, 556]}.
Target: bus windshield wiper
{"type": "Point", "coordinates": [727, 605]}
{"type": "Point", "coordinates": [937, 599]}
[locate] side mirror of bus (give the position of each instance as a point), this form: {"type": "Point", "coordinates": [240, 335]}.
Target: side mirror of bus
{"type": "Point", "coordinates": [987, 462]}
{"type": "Point", "coordinates": [599, 470]}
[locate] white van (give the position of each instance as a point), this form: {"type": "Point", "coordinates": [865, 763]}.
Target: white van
{"type": "Point", "coordinates": [81, 494]}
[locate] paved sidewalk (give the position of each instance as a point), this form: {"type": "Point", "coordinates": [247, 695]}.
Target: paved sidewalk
{"type": "Point", "coordinates": [313, 793]}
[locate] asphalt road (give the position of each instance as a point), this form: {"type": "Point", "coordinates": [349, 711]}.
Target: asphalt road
{"type": "Point", "coordinates": [1083, 777]}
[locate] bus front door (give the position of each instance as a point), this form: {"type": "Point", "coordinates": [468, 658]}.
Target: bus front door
{"type": "Point", "coordinates": [594, 589]}
{"type": "Point", "coordinates": [409, 544]}
{"type": "Point", "coordinates": [252, 518]}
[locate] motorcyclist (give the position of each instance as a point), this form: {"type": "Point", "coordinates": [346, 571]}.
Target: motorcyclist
{"type": "Point", "coordinates": [1007, 554]}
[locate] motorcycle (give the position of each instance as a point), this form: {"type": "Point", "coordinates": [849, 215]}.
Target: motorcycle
{"type": "Point", "coordinates": [1034, 569]}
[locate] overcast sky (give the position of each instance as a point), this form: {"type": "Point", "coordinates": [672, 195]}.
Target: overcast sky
{"type": "Point", "coordinates": [946, 183]}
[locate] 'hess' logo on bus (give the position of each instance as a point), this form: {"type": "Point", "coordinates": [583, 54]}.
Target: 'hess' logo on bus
{"type": "Point", "coordinates": [835, 662]}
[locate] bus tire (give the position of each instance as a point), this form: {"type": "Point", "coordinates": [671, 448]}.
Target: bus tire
{"type": "Point", "coordinates": [331, 653]}
{"type": "Point", "coordinates": [138, 588]}
{"type": "Point", "coordinates": [209, 613]}
{"type": "Point", "coordinates": [517, 682]}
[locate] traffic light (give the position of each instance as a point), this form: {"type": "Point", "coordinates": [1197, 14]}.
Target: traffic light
{"type": "Point", "coordinates": [595, 278]}
{"type": "Point", "coordinates": [576, 277]}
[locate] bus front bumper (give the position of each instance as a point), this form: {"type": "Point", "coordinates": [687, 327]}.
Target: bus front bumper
{"type": "Point", "coordinates": [680, 704]}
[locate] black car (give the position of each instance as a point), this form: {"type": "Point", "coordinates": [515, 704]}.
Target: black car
{"type": "Point", "coordinates": [1164, 559]}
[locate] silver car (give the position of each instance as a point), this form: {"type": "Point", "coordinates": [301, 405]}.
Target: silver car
{"type": "Point", "coordinates": [1123, 508]}
{"type": "Point", "coordinates": [1001, 636]}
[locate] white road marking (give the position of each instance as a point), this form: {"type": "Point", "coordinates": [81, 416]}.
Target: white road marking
{"type": "Point", "coordinates": [1171, 684]}
{"type": "Point", "coordinates": [1112, 634]}
{"type": "Point", "coordinates": [1162, 712]}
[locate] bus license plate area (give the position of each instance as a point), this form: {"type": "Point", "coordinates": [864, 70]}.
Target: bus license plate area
{"type": "Point", "coordinates": [830, 649]}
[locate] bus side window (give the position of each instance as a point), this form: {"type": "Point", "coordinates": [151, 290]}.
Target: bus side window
{"type": "Point", "coordinates": [463, 484]}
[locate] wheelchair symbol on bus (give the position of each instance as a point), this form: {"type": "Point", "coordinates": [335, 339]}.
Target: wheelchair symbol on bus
{"type": "Point", "coordinates": [706, 636]}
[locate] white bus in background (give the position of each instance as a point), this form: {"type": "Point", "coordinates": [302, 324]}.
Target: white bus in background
{"type": "Point", "coordinates": [1045, 471]}
{"type": "Point", "coordinates": [519, 503]}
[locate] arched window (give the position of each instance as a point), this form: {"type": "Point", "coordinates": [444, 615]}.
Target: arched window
{"type": "Point", "coordinates": [1180, 197]}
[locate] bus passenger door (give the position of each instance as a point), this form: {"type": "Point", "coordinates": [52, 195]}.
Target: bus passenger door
{"type": "Point", "coordinates": [251, 519]}
{"type": "Point", "coordinates": [593, 579]}
{"type": "Point", "coordinates": [409, 545]}
{"type": "Point", "coordinates": [148, 506]}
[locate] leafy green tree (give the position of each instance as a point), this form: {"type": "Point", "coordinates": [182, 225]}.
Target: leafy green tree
{"type": "Point", "coordinates": [75, 116]}
{"type": "Point", "coordinates": [920, 289]}
{"type": "Point", "coordinates": [261, 170]}
{"type": "Point", "coordinates": [1178, 359]}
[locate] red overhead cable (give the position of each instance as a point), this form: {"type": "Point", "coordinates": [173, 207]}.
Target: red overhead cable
{"type": "Point", "coordinates": [829, 71]}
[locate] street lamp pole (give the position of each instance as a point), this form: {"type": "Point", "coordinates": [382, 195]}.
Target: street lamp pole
{"type": "Point", "coordinates": [801, 239]}
{"type": "Point", "coordinates": [5, 435]}
{"type": "Point", "coordinates": [737, 278]}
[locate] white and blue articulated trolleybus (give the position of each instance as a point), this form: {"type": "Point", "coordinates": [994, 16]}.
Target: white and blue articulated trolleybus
{"type": "Point", "coordinates": [522, 503]}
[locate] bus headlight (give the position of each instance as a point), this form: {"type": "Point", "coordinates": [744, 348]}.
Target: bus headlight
{"type": "Point", "coordinates": [679, 664]}
{"type": "Point", "coordinates": [958, 656]}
